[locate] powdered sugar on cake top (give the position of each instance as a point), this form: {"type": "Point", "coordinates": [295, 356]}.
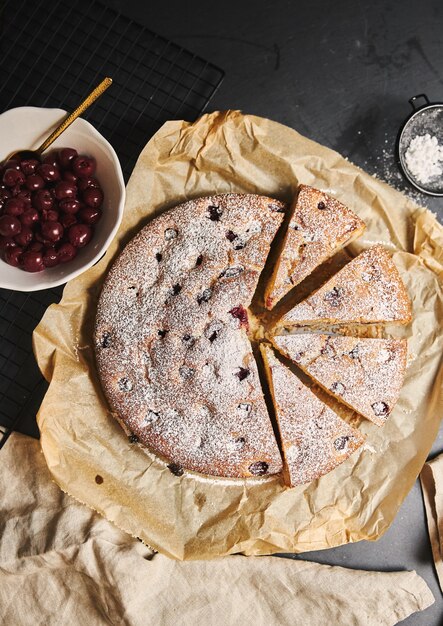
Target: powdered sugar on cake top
{"type": "Point", "coordinates": [365, 374]}
{"type": "Point", "coordinates": [319, 226]}
{"type": "Point", "coordinates": [367, 290]}
{"type": "Point", "coordinates": [314, 438]}
{"type": "Point", "coordinates": [175, 364]}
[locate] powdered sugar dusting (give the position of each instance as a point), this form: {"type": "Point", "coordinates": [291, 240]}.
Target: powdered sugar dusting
{"type": "Point", "coordinates": [365, 374]}
{"type": "Point", "coordinates": [319, 227]}
{"type": "Point", "coordinates": [368, 290]}
{"type": "Point", "coordinates": [175, 364]}
{"type": "Point", "coordinates": [314, 438]}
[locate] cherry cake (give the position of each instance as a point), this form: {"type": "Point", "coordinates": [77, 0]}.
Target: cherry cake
{"type": "Point", "coordinates": [173, 348]}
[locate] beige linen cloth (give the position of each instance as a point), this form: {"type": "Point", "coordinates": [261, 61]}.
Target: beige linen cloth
{"type": "Point", "coordinates": [432, 484]}
{"type": "Point", "coordinates": [62, 563]}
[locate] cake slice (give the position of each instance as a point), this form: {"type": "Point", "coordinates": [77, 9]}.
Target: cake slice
{"type": "Point", "coordinates": [365, 374]}
{"type": "Point", "coordinates": [320, 226]}
{"type": "Point", "coordinates": [314, 438]}
{"type": "Point", "coordinates": [368, 290]}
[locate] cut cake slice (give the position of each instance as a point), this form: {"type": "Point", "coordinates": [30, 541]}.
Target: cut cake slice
{"type": "Point", "coordinates": [319, 227]}
{"type": "Point", "coordinates": [365, 374]}
{"type": "Point", "coordinates": [368, 290]}
{"type": "Point", "coordinates": [314, 438]}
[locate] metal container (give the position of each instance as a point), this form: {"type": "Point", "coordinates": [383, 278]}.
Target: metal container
{"type": "Point", "coordinates": [425, 118]}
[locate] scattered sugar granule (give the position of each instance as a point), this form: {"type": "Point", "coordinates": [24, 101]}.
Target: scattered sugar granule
{"type": "Point", "coordinates": [424, 158]}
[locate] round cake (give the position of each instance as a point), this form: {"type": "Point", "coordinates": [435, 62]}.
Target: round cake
{"type": "Point", "coordinates": [177, 366]}
{"type": "Point", "coordinates": [171, 343]}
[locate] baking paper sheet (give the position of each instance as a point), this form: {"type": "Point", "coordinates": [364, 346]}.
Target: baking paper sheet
{"type": "Point", "coordinates": [192, 517]}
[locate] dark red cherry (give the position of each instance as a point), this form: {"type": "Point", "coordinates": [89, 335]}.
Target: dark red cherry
{"type": "Point", "coordinates": [70, 177]}
{"type": "Point", "coordinates": [66, 156]}
{"type": "Point", "coordinates": [51, 215]}
{"type": "Point", "coordinates": [24, 237]}
{"type": "Point", "coordinates": [34, 182]}
{"type": "Point", "coordinates": [13, 177]}
{"type": "Point", "coordinates": [84, 167]}
{"type": "Point", "coordinates": [70, 206]}
{"type": "Point", "coordinates": [49, 173]}
{"type": "Point", "coordinates": [9, 226]}
{"type": "Point", "coordinates": [16, 190]}
{"type": "Point", "coordinates": [43, 200]}
{"type": "Point", "coordinates": [50, 257]}
{"type": "Point", "coordinates": [6, 242]}
{"type": "Point", "coordinates": [66, 252]}
{"type": "Point", "coordinates": [14, 206]}
{"type": "Point", "coordinates": [13, 164]}
{"type": "Point", "coordinates": [32, 261]}
{"type": "Point", "coordinates": [85, 183]}
{"type": "Point", "coordinates": [88, 215]}
{"type": "Point", "coordinates": [25, 195]}
{"type": "Point", "coordinates": [4, 194]}
{"type": "Point", "coordinates": [13, 256]}
{"type": "Point", "coordinates": [29, 166]}
{"type": "Point", "coordinates": [259, 468]}
{"type": "Point", "coordinates": [67, 220]}
{"type": "Point", "coordinates": [79, 235]}
{"type": "Point", "coordinates": [37, 246]}
{"type": "Point", "coordinates": [93, 197]}
{"type": "Point", "coordinates": [52, 231]}
{"type": "Point", "coordinates": [240, 313]}
{"type": "Point", "coordinates": [64, 190]}
{"type": "Point", "coordinates": [29, 217]}
{"type": "Point", "coordinates": [52, 159]}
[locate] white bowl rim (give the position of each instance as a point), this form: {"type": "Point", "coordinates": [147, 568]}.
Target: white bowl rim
{"type": "Point", "coordinates": [48, 284]}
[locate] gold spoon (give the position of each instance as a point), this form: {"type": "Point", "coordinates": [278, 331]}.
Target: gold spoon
{"type": "Point", "coordinates": [32, 154]}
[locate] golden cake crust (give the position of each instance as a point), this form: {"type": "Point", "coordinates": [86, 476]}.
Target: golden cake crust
{"type": "Point", "coordinates": [172, 352]}
{"type": "Point", "coordinates": [368, 290]}
{"type": "Point", "coordinates": [315, 440]}
{"type": "Point", "coordinates": [320, 225]}
{"type": "Point", "coordinates": [365, 374]}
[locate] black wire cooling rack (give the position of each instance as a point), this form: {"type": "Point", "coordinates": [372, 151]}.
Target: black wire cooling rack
{"type": "Point", "coordinates": [52, 53]}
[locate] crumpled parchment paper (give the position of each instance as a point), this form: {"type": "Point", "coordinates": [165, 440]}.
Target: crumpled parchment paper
{"type": "Point", "coordinates": [194, 517]}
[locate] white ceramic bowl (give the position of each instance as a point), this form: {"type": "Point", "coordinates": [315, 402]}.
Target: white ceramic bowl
{"type": "Point", "coordinates": [26, 128]}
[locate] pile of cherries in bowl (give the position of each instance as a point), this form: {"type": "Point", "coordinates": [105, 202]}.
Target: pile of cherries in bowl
{"type": "Point", "coordinates": [48, 208]}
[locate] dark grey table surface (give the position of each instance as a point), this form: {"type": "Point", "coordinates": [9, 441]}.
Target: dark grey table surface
{"type": "Point", "coordinates": [341, 73]}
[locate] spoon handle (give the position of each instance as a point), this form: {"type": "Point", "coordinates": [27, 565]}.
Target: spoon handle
{"type": "Point", "coordinates": [74, 115]}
